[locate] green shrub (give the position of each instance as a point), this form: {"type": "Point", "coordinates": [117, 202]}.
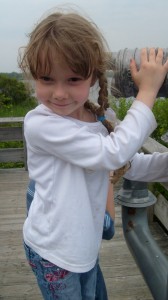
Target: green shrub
{"type": "Point", "coordinates": [160, 110]}
{"type": "Point", "coordinates": [14, 94]}
{"type": "Point", "coordinates": [120, 106]}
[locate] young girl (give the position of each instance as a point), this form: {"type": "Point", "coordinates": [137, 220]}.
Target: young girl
{"type": "Point", "coordinates": [72, 149]}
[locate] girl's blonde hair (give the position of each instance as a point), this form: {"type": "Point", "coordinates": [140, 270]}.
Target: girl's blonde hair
{"type": "Point", "coordinates": [71, 38]}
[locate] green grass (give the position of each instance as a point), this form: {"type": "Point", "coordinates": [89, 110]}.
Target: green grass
{"type": "Point", "coordinates": [11, 165]}
{"type": "Point", "coordinates": [17, 110]}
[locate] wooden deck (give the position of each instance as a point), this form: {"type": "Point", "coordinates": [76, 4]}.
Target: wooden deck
{"type": "Point", "coordinates": [123, 279]}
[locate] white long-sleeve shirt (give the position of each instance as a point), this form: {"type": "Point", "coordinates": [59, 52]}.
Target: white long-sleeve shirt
{"type": "Point", "coordinates": [149, 167]}
{"type": "Point", "coordinates": [70, 162]}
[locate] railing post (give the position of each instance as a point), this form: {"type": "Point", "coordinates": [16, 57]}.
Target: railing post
{"type": "Point", "coordinates": [24, 148]}
{"type": "Point", "coordinates": [153, 264]}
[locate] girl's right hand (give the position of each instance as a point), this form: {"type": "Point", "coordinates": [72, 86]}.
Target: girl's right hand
{"type": "Point", "coordinates": [149, 78]}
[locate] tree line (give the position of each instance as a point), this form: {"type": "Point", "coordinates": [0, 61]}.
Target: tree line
{"type": "Point", "coordinates": [13, 90]}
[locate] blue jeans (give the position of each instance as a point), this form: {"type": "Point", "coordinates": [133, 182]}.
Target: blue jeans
{"type": "Point", "coordinates": [57, 283]}
{"type": "Point", "coordinates": [30, 194]}
{"type": "Point", "coordinates": [101, 291]}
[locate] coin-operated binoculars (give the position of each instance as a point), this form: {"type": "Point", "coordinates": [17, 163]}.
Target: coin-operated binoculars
{"type": "Point", "coordinates": [122, 80]}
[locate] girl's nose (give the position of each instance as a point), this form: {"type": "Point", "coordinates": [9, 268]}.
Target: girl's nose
{"type": "Point", "coordinates": [59, 91]}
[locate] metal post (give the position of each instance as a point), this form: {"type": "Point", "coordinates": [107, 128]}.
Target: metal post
{"type": "Point", "coordinates": [153, 264]}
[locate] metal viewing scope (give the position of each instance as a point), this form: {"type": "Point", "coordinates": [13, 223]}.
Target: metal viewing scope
{"type": "Point", "coordinates": [121, 76]}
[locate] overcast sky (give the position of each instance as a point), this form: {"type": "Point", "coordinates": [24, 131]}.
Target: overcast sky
{"type": "Point", "coordinates": [124, 23]}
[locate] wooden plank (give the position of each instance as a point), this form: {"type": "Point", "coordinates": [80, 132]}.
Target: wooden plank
{"type": "Point", "coordinates": [161, 210]}
{"type": "Point", "coordinates": [151, 146]}
{"type": "Point", "coordinates": [11, 155]}
{"type": "Point", "coordinates": [11, 134]}
{"type": "Point", "coordinates": [11, 120]}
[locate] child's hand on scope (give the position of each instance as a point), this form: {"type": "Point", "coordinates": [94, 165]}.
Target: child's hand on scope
{"type": "Point", "coordinates": [149, 78]}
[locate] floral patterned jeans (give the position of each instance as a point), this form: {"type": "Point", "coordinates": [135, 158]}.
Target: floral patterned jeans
{"type": "Point", "coordinates": [57, 283]}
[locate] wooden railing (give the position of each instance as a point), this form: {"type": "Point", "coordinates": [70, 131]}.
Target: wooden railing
{"type": "Point", "coordinates": [11, 129]}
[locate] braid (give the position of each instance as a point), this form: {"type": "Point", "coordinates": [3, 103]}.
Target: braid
{"type": "Point", "coordinates": [103, 92]}
{"type": "Point", "coordinates": [99, 111]}
{"type": "Point", "coordinates": [91, 106]}
{"type": "Point", "coordinates": [103, 102]}
{"type": "Point", "coordinates": [117, 174]}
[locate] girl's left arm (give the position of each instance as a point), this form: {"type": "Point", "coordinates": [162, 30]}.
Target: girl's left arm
{"type": "Point", "coordinates": [149, 167]}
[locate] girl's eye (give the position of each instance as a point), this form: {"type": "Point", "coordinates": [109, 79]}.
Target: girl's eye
{"type": "Point", "coordinates": [75, 79]}
{"type": "Point", "coordinates": [46, 78]}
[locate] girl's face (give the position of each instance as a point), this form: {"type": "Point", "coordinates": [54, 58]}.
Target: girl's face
{"type": "Point", "coordinates": [63, 91]}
